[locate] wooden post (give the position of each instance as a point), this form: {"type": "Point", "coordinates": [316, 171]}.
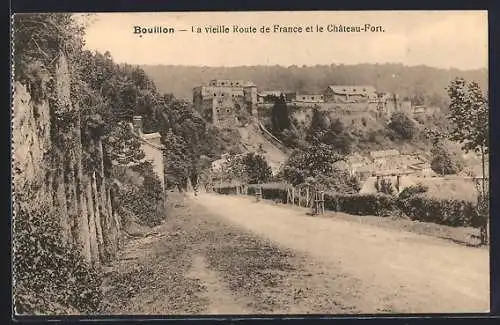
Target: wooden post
{"type": "Point", "coordinates": [299, 196]}
{"type": "Point", "coordinates": [322, 202]}
{"type": "Point", "coordinates": [258, 193]}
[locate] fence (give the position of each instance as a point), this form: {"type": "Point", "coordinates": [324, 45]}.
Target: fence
{"type": "Point", "coordinates": [455, 213]}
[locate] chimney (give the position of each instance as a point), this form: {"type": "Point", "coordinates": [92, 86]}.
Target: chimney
{"type": "Point", "coordinates": [137, 122]}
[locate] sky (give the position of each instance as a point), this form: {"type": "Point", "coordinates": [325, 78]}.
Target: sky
{"type": "Point", "coordinates": [442, 39]}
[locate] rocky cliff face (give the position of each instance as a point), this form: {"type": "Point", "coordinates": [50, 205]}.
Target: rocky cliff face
{"type": "Point", "coordinates": [49, 157]}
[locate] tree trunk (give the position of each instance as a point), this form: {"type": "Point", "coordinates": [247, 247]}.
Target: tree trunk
{"type": "Point", "coordinates": [485, 226]}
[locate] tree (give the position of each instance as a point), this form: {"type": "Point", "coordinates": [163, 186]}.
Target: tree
{"type": "Point", "coordinates": [333, 133]}
{"type": "Point", "coordinates": [338, 137]}
{"type": "Point", "coordinates": [122, 146]}
{"type": "Point", "coordinates": [468, 114]}
{"type": "Point", "coordinates": [402, 126]}
{"type": "Point", "coordinates": [279, 115]}
{"type": "Point", "coordinates": [318, 127]}
{"type": "Point", "coordinates": [290, 138]}
{"type": "Point", "coordinates": [177, 164]}
{"type": "Point", "coordinates": [385, 187]}
{"type": "Point", "coordinates": [317, 162]}
{"type": "Point", "coordinates": [257, 169]}
{"type": "Point", "coordinates": [444, 162]}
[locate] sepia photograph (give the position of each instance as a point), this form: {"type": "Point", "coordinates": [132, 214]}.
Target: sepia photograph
{"type": "Point", "coordinates": [250, 163]}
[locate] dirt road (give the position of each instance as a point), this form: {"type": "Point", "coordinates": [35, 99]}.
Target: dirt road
{"type": "Point", "coordinates": [228, 255]}
{"type": "Point", "coordinates": [392, 270]}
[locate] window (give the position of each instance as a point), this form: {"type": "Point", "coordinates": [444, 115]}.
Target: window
{"type": "Point", "coordinates": [222, 83]}
{"type": "Point", "coordinates": [231, 83]}
{"type": "Point", "coordinates": [354, 90]}
{"type": "Point", "coordinates": [303, 98]}
{"type": "Point", "coordinates": [227, 110]}
{"type": "Point", "coordinates": [215, 95]}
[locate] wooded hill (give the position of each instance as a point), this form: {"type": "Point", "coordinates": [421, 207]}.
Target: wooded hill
{"type": "Point", "coordinates": [407, 81]}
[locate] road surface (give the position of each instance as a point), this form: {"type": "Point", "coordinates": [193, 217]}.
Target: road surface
{"type": "Point", "coordinates": [230, 255]}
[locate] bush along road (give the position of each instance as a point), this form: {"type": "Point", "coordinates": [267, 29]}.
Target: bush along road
{"type": "Point", "coordinates": [256, 258]}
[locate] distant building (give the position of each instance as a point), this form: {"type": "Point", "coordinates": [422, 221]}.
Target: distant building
{"type": "Point", "coordinates": [222, 99]}
{"type": "Point", "coordinates": [406, 106]}
{"type": "Point", "coordinates": [419, 110]}
{"type": "Point", "coordinates": [349, 94]}
{"type": "Point", "coordinates": [387, 103]}
{"type": "Point", "coordinates": [381, 159]}
{"type": "Point", "coordinates": [308, 98]}
{"type": "Point", "coordinates": [268, 96]}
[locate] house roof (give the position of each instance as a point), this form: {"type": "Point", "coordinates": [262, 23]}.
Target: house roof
{"type": "Point", "coordinates": [384, 153]}
{"type": "Point", "coordinates": [231, 83]}
{"type": "Point", "coordinates": [271, 93]}
{"type": "Point", "coordinates": [151, 136]}
{"type": "Point", "coordinates": [352, 90]}
{"type": "Point", "coordinates": [307, 94]}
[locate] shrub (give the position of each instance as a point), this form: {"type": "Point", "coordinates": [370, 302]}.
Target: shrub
{"type": "Point", "coordinates": [50, 276]}
{"type": "Point", "coordinates": [402, 126]}
{"type": "Point", "coordinates": [145, 201]}
{"type": "Point", "coordinates": [290, 138]}
{"type": "Point", "coordinates": [412, 191]}
{"type": "Point", "coordinates": [445, 163]}
{"type": "Point", "coordinates": [226, 190]}
{"type": "Point", "coordinates": [148, 211]}
{"type": "Point", "coordinates": [361, 204]}
{"type": "Point", "coordinates": [455, 213]}
{"type": "Point", "coordinates": [384, 186]}
{"type": "Point", "coordinates": [272, 191]}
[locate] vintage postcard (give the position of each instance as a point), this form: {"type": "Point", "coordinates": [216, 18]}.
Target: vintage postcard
{"type": "Point", "coordinates": [237, 163]}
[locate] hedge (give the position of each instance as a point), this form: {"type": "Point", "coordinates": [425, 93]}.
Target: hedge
{"type": "Point", "coordinates": [361, 204]}
{"type": "Point", "coordinates": [455, 213]}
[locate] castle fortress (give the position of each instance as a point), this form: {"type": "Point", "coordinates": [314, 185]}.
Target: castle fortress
{"type": "Point", "coordinates": [222, 100]}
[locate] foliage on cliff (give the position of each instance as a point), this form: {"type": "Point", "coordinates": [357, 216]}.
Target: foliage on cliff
{"type": "Point", "coordinates": [50, 275]}
{"type": "Point", "coordinates": [141, 194]}
{"type": "Point", "coordinates": [90, 100]}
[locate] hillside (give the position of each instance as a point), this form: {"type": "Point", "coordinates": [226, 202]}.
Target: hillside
{"type": "Point", "coordinates": [408, 81]}
{"type": "Point", "coordinates": [366, 132]}
{"type": "Point", "coordinates": [253, 140]}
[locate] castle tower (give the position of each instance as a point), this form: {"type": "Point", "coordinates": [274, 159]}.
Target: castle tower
{"type": "Point", "coordinates": [250, 93]}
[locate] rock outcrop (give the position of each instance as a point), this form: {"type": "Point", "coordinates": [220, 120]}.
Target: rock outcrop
{"type": "Point", "coordinates": [49, 156]}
